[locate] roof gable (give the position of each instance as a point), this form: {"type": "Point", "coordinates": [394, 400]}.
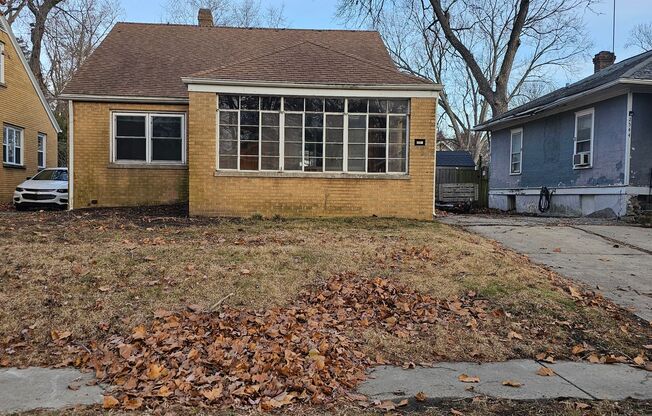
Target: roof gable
{"type": "Point", "coordinates": [638, 67]}
{"type": "Point", "coordinates": [149, 60]}
{"type": "Point", "coordinates": [4, 26]}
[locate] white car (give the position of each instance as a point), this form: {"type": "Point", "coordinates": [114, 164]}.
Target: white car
{"type": "Point", "coordinates": [47, 188]}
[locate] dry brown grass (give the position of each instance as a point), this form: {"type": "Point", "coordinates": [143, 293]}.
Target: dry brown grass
{"type": "Point", "coordinates": [102, 272]}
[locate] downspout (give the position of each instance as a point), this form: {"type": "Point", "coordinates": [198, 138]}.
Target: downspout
{"type": "Point", "coordinates": [71, 155]}
{"type": "Point", "coordinates": [434, 161]}
{"type": "Point", "coordinates": [628, 137]}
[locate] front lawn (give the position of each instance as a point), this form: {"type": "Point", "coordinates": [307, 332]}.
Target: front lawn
{"type": "Point", "coordinates": [112, 289]}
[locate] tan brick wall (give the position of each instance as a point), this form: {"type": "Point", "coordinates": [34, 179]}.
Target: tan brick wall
{"type": "Point", "coordinates": [20, 106]}
{"type": "Point", "coordinates": [309, 197]}
{"type": "Point", "coordinates": [97, 179]}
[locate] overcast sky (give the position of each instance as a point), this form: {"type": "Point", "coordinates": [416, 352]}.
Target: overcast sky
{"type": "Point", "coordinates": [319, 14]}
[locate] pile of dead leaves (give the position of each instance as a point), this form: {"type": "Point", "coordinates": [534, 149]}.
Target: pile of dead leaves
{"type": "Point", "coordinates": [306, 353]}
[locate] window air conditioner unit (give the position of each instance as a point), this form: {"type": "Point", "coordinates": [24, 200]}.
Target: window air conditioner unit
{"type": "Point", "coordinates": [582, 159]}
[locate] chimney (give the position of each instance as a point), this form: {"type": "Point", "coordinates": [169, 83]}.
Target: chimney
{"type": "Point", "coordinates": [603, 60]}
{"type": "Point", "coordinates": [205, 18]}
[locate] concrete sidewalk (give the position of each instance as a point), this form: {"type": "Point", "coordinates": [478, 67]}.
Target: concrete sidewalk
{"type": "Point", "coordinates": [571, 380]}
{"type": "Point", "coordinates": [609, 257]}
{"type": "Point", "coordinates": [46, 388]}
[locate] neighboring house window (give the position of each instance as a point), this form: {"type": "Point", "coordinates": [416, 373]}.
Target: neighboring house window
{"type": "Point", "coordinates": [12, 146]}
{"type": "Point", "coordinates": [42, 142]}
{"type": "Point", "coordinates": [583, 157]}
{"type": "Point", "coordinates": [2, 63]}
{"type": "Point", "coordinates": [516, 152]}
{"type": "Point", "coordinates": [312, 134]}
{"type": "Point", "coordinates": [149, 138]}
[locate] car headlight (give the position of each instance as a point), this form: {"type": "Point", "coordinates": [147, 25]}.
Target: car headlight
{"type": "Point", "coordinates": [62, 191]}
{"type": "Point", "coordinates": [19, 189]}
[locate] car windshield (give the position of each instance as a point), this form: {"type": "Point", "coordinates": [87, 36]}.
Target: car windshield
{"type": "Point", "coordinates": [52, 175]}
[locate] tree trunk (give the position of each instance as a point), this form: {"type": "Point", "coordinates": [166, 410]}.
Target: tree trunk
{"type": "Point", "coordinates": [40, 13]}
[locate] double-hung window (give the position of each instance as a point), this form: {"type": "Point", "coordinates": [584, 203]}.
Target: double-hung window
{"type": "Point", "coordinates": [155, 138]}
{"type": "Point", "coordinates": [584, 127]}
{"type": "Point", "coordinates": [12, 146]}
{"type": "Point", "coordinates": [516, 152]}
{"type": "Point", "coordinates": [312, 134]}
{"type": "Point", "coordinates": [40, 146]}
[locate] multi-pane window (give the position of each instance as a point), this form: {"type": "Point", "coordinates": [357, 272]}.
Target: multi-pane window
{"type": "Point", "coordinates": [149, 138]}
{"type": "Point", "coordinates": [41, 142]}
{"type": "Point", "coordinates": [12, 145]}
{"type": "Point", "coordinates": [516, 152]}
{"type": "Point", "coordinates": [583, 156]}
{"type": "Point", "coordinates": [312, 134]}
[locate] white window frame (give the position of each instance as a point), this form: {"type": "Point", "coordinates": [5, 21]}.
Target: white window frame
{"type": "Point", "coordinates": [513, 132]}
{"type": "Point", "coordinates": [579, 114]}
{"type": "Point", "coordinates": [345, 142]}
{"type": "Point", "coordinates": [2, 63]}
{"type": "Point", "coordinates": [21, 133]}
{"type": "Point", "coordinates": [148, 138]}
{"type": "Point", "coordinates": [42, 137]}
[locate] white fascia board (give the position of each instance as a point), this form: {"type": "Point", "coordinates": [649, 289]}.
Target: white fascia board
{"type": "Point", "coordinates": [262, 88]}
{"type": "Point", "coordinates": [30, 74]}
{"type": "Point", "coordinates": [588, 190]}
{"type": "Point", "coordinates": [123, 99]}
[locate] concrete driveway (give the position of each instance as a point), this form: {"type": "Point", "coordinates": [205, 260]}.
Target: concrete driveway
{"type": "Point", "coordinates": [613, 258]}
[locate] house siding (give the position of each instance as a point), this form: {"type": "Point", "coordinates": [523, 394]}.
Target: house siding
{"type": "Point", "coordinates": [548, 149]}
{"type": "Point", "coordinates": [99, 183]}
{"type": "Point", "coordinates": [21, 106]}
{"type": "Point", "coordinates": [641, 156]}
{"type": "Point", "coordinates": [215, 195]}
{"type": "Point", "coordinates": [547, 160]}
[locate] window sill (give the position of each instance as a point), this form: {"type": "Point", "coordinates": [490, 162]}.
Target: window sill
{"type": "Point", "coordinates": [316, 175]}
{"type": "Point", "coordinates": [3, 85]}
{"type": "Point", "coordinates": [147, 166]}
{"type": "Point", "coordinates": [10, 166]}
{"type": "Point", "coordinates": [582, 167]}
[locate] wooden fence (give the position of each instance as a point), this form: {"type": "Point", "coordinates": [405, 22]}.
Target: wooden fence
{"type": "Point", "coordinates": [447, 176]}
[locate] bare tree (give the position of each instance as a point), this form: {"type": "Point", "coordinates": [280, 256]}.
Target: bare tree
{"type": "Point", "coordinates": [12, 9]}
{"type": "Point", "coordinates": [241, 13]}
{"type": "Point", "coordinates": [641, 36]}
{"type": "Point", "coordinates": [489, 54]}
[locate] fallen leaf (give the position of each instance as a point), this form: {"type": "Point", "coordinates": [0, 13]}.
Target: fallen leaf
{"type": "Point", "coordinates": [153, 371]}
{"type": "Point", "coordinates": [512, 383]}
{"type": "Point", "coordinates": [557, 250]}
{"type": "Point", "coordinates": [639, 360]}
{"type": "Point", "coordinates": [420, 396]}
{"type": "Point", "coordinates": [386, 405]}
{"type": "Point", "coordinates": [513, 335]}
{"type": "Point", "coordinates": [139, 332]}
{"type": "Point", "coordinates": [109, 402]}
{"type": "Point", "coordinates": [164, 392]}
{"type": "Point", "coordinates": [578, 349]}
{"type": "Point", "coordinates": [59, 335]}
{"type": "Point", "coordinates": [582, 406]}
{"type": "Point", "coordinates": [545, 372]}
{"type": "Point", "coordinates": [402, 403]}
{"type": "Point", "coordinates": [574, 292]}
{"type": "Point", "coordinates": [468, 379]}
{"type": "Point", "coordinates": [132, 404]}
{"type": "Point", "coordinates": [456, 412]}
{"type": "Point", "coordinates": [214, 393]}
{"type": "Point", "coordinates": [594, 359]}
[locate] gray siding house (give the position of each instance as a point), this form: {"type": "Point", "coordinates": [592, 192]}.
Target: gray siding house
{"type": "Point", "coordinates": [590, 143]}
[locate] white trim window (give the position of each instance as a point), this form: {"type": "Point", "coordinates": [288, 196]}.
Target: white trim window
{"type": "Point", "coordinates": [151, 138]}
{"type": "Point", "coordinates": [516, 152]}
{"type": "Point", "coordinates": [312, 134]}
{"type": "Point", "coordinates": [12, 146]}
{"type": "Point", "coordinates": [2, 63]}
{"type": "Point", "coordinates": [41, 144]}
{"type": "Point", "coordinates": [584, 132]}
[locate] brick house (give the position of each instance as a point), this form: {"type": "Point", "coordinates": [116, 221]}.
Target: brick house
{"type": "Point", "coordinates": [251, 121]}
{"type": "Point", "coordinates": [29, 128]}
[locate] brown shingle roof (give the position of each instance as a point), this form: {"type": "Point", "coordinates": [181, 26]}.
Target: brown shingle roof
{"type": "Point", "coordinates": [150, 59]}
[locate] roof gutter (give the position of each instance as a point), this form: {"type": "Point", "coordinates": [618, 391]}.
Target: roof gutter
{"type": "Point", "coordinates": [229, 86]}
{"type": "Point", "coordinates": [487, 126]}
{"type": "Point", "coordinates": [123, 99]}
